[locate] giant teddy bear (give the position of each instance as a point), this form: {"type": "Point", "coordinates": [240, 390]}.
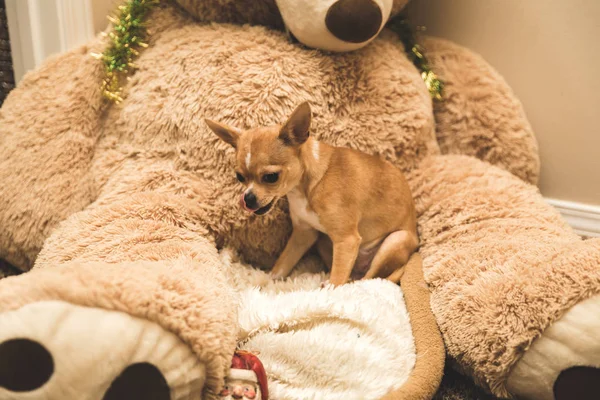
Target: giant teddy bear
{"type": "Point", "coordinates": [127, 213]}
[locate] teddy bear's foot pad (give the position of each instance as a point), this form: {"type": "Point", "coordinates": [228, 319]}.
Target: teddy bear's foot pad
{"type": "Point", "coordinates": [57, 350]}
{"type": "Point", "coordinates": [564, 363]}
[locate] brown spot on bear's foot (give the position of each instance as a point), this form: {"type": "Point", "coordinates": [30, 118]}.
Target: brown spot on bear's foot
{"type": "Point", "coordinates": [581, 383]}
{"type": "Point", "coordinates": [25, 365]}
{"type": "Point", "coordinates": [139, 381]}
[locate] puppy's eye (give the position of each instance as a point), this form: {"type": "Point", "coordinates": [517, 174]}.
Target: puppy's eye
{"type": "Point", "coordinates": [240, 177]}
{"type": "Point", "coordinates": [270, 178]}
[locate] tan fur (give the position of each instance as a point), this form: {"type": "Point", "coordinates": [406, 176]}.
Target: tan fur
{"type": "Point", "coordinates": [360, 200]}
{"type": "Point", "coordinates": [501, 263]}
{"type": "Point", "coordinates": [429, 344]}
{"type": "Point", "coordinates": [465, 121]}
{"type": "Point", "coordinates": [104, 192]}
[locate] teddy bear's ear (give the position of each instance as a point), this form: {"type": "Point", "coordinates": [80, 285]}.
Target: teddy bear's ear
{"type": "Point", "coordinates": [336, 25]}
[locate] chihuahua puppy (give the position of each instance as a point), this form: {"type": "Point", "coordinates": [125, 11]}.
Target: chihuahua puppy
{"type": "Point", "coordinates": [357, 208]}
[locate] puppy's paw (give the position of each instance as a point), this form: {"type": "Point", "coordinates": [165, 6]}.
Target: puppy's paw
{"type": "Point", "coordinates": [276, 276]}
{"type": "Point", "coordinates": [326, 284]}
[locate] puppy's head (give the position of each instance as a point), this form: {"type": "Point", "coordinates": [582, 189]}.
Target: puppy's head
{"type": "Point", "coordinates": [267, 158]}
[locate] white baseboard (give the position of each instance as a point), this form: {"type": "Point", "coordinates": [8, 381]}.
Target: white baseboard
{"type": "Point", "coordinates": [583, 218]}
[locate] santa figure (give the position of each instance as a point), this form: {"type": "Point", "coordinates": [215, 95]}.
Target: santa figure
{"type": "Point", "coordinates": [246, 380]}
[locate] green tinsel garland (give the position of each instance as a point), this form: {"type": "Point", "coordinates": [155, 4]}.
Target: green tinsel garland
{"type": "Point", "coordinates": [416, 54]}
{"type": "Point", "coordinates": [128, 35]}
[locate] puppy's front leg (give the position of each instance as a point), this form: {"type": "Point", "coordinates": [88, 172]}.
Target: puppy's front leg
{"type": "Point", "coordinates": [302, 239]}
{"type": "Point", "coordinates": [345, 251]}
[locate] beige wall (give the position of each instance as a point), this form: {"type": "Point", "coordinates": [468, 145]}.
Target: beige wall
{"type": "Point", "coordinates": [101, 9]}
{"type": "Point", "coordinates": [549, 52]}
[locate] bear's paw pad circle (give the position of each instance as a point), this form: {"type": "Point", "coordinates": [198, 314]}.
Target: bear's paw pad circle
{"type": "Point", "coordinates": [139, 381]}
{"type": "Point", "coordinates": [582, 383]}
{"type": "Point", "coordinates": [25, 365]}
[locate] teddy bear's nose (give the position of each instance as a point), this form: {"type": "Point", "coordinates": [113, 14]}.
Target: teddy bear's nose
{"type": "Point", "coordinates": [354, 21]}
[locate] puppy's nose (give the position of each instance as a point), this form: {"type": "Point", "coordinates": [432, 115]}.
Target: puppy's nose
{"type": "Point", "coordinates": [354, 21]}
{"type": "Point", "coordinates": [251, 201]}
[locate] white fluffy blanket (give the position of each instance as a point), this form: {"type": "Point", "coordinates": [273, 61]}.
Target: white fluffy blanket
{"type": "Point", "coordinates": [353, 342]}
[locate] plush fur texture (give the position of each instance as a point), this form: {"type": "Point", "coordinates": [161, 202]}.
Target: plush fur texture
{"type": "Point", "coordinates": [501, 263]}
{"type": "Point", "coordinates": [298, 327]}
{"type": "Point", "coordinates": [297, 330]}
{"type": "Point", "coordinates": [91, 350]}
{"type": "Point", "coordinates": [427, 373]}
{"type": "Point", "coordinates": [38, 131]}
{"type": "Point", "coordinates": [168, 293]}
{"type": "Point", "coordinates": [131, 202]}
{"type": "Point", "coordinates": [576, 323]}
{"type": "Point", "coordinates": [165, 145]}
{"type": "Point", "coordinates": [480, 116]}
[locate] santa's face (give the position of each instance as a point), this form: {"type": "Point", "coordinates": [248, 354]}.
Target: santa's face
{"type": "Point", "coordinates": [240, 389]}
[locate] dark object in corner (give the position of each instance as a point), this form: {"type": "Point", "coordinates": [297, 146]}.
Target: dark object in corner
{"type": "Point", "coordinates": [7, 270]}
{"type": "Point", "coordinates": [7, 79]}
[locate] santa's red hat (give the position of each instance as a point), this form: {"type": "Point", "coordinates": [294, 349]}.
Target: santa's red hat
{"type": "Point", "coordinates": [247, 366]}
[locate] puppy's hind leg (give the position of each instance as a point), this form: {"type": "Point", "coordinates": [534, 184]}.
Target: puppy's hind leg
{"type": "Point", "coordinates": [392, 255]}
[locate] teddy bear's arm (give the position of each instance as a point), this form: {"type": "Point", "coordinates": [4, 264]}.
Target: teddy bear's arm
{"type": "Point", "coordinates": [141, 273]}
{"type": "Point", "coordinates": [48, 129]}
{"type": "Point", "coordinates": [480, 115]}
{"type": "Point", "coordinates": [503, 268]}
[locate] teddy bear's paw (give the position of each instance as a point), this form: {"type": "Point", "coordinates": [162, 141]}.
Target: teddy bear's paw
{"type": "Point", "coordinates": [57, 350]}
{"type": "Point", "coordinates": [564, 363]}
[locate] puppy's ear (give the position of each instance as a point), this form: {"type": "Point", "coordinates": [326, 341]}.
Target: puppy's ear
{"type": "Point", "coordinates": [227, 133]}
{"type": "Point", "coordinates": [296, 129]}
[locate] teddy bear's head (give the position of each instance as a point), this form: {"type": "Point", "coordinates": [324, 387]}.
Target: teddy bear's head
{"type": "Point", "coordinates": [337, 25]}
{"type": "Point", "coordinates": [334, 25]}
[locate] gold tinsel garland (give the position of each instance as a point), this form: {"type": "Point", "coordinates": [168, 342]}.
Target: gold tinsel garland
{"type": "Point", "coordinates": [126, 39]}
{"type": "Point", "coordinates": [129, 32]}
{"type": "Point", "coordinates": [416, 54]}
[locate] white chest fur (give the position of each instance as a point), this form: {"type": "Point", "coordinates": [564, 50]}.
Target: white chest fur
{"type": "Point", "coordinates": [300, 211]}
